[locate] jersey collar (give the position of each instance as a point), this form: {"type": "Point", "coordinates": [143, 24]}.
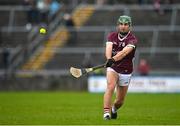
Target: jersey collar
{"type": "Point", "coordinates": [121, 39]}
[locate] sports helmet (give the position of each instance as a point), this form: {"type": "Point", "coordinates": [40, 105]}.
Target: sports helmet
{"type": "Point", "coordinates": [125, 19]}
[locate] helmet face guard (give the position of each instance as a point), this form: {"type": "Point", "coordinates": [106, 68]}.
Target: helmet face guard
{"type": "Point", "coordinates": [125, 20]}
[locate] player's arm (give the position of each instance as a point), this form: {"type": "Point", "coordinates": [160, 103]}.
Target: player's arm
{"type": "Point", "coordinates": [110, 60]}
{"type": "Point", "coordinates": [109, 46]}
{"type": "Point", "coordinates": [126, 50]}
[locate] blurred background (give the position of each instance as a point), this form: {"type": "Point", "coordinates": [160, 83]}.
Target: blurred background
{"type": "Point", "coordinates": [76, 36]}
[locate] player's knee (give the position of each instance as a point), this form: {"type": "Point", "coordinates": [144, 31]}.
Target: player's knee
{"type": "Point", "coordinates": [111, 87]}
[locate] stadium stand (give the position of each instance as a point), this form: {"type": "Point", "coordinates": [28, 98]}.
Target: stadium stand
{"type": "Point", "coordinates": [61, 61]}
{"type": "Point", "coordinates": [158, 38]}
{"type": "Point", "coordinates": [155, 34]}
{"type": "Point", "coordinates": [11, 34]}
{"type": "Point", "coordinates": [5, 15]}
{"type": "Point", "coordinates": [77, 59]}
{"type": "Point", "coordinates": [164, 61]}
{"type": "Point", "coordinates": [168, 39]}
{"type": "Point", "coordinates": [45, 54]}
{"type": "Point", "coordinates": [145, 40]}
{"type": "Point", "coordinates": [89, 39]}
{"type": "Point", "coordinates": [105, 18]}
{"type": "Point", "coordinates": [109, 16]}
{"type": "Point", "coordinates": [20, 18]}
{"type": "Point", "coordinates": [12, 2]}
{"type": "Point", "coordinates": [151, 17]}
{"type": "Point", "coordinates": [178, 19]}
{"type": "Point", "coordinates": [14, 39]}
{"type": "Point", "coordinates": [80, 16]}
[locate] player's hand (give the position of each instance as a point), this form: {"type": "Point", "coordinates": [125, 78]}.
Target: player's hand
{"type": "Point", "coordinates": [109, 62]}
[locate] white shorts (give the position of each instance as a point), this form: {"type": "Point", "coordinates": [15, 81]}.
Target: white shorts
{"type": "Point", "coordinates": [124, 79]}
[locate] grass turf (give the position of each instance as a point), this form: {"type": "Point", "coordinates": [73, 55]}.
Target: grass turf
{"type": "Point", "coordinates": [86, 108]}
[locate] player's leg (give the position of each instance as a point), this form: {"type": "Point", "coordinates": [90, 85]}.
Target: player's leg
{"type": "Point", "coordinates": [112, 78]}
{"type": "Point", "coordinates": [121, 91]}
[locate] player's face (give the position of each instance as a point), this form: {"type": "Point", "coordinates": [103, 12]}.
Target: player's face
{"type": "Point", "coordinates": [123, 27]}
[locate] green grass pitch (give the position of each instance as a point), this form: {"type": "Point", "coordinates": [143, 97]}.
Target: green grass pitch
{"type": "Point", "coordinates": [86, 108]}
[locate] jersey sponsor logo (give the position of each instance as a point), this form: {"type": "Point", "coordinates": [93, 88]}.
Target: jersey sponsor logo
{"type": "Point", "coordinates": [114, 42]}
{"type": "Point", "coordinates": [123, 44]}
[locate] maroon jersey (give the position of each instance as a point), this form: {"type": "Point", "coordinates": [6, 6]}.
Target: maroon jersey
{"type": "Point", "coordinates": [124, 66]}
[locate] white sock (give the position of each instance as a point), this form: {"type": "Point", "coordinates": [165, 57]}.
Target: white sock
{"type": "Point", "coordinates": [114, 110]}
{"type": "Point", "coordinates": [106, 114]}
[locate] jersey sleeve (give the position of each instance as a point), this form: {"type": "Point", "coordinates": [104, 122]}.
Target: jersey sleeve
{"type": "Point", "coordinates": [110, 38]}
{"type": "Point", "coordinates": [132, 42]}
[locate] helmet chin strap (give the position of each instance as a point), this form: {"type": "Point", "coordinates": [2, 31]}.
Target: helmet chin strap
{"type": "Point", "coordinates": [122, 34]}
{"type": "Point", "coordinates": [122, 37]}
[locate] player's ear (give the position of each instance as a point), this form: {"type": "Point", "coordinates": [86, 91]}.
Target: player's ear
{"type": "Point", "coordinates": [130, 28]}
